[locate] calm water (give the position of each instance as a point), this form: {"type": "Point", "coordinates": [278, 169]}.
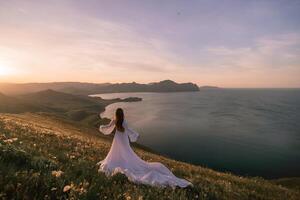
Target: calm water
{"type": "Point", "coordinates": [249, 132]}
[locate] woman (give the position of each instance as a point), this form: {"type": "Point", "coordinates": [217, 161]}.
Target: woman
{"type": "Point", "coordinates": [122, 159]}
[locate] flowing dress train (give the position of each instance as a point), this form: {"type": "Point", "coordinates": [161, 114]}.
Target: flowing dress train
{"type": "Point", "coordinates": [122, 159]}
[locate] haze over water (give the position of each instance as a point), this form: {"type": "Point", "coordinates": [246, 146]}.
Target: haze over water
{"type": "Point", "coordinates": [253, 132]}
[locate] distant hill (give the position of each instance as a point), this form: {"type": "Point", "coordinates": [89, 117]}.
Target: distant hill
{"type": "Point", "coordinates": [16, 105]}
{"type": "Point", "coordinates": [95, 88]}
{"type": "Point", "coordinates": [64, 101]}
{"type": "Point", "coordinates": [79, 108]}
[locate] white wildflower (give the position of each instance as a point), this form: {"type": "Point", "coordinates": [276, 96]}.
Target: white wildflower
{"type": "Point", "coordinates": [57, 173]}
{"type": "Point", "coordinates": [67, 188]}
{"type": "Point", "coordinates": [11, 140]}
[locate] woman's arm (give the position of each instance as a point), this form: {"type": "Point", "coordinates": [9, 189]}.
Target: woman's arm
{"type": "Point", "coordinates": [107, 129]}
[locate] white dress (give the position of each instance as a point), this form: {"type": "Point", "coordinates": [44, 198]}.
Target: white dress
{"type": "Point", "coordinates": [122, 159]}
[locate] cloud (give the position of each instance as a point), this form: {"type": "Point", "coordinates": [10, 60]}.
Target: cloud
{"type": "Point", "coordinates": [106, 41]}
{"type": "Point", "coordinates": [79, 42]}
{"type": "Point", "coordinates": [267, 53]}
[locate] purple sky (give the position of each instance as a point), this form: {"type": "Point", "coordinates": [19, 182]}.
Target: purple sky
{"type": "Point", "coordinates": [223, 43]}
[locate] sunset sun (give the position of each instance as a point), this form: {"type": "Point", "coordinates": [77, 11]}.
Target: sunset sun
{"type": "Point", "coordinates": [4, 70]}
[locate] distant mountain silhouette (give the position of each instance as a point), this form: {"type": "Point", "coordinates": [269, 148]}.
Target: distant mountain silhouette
{"type": "Point", "coordinates": [93, 88]}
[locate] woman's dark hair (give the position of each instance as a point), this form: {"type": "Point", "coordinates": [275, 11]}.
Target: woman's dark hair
{"type": "Point", "coordinates": [119, 120]}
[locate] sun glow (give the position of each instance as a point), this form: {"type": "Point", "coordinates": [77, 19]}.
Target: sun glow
{"type": "Point", "coordinates": [4, 70]}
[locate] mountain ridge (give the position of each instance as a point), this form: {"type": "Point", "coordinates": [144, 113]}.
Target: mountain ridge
{"type": "Point", "coordinates": [82, 88]}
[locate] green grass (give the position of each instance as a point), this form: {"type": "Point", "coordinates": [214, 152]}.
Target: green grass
{"type": "Point", "coordinates": [45, 144]}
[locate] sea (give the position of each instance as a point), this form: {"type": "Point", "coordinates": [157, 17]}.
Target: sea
{"type": "Point", "coordinates": [248, 132]}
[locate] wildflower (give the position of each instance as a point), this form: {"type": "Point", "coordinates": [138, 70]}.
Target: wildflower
{"type": "Point", "coordinates": [11, 140]}
{"type": "Point", "coordinates": [67, 188]}
{"type": "Point", "coordinates": [57, 173]}
{"type": "Point", "coordinates": [127, 196]}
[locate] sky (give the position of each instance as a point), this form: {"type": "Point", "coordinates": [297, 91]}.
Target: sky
{"type": "Point", "coordinates": [225, 43]}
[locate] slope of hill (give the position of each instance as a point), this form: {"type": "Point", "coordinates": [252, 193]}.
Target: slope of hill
{"type": "Point", "coordinates": [83, 109]}
{"type": "Point", "coordinates": [64, 101]}
{"type": "Point", "coordinates": [16, 105]}
{"type": "Point", "coordinates": [93, 88]}
{"type": "Point", "coordinates": [47, 158]}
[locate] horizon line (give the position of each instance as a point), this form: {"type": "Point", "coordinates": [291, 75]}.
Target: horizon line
{"type": "Point", "coordinates": [218, 87]}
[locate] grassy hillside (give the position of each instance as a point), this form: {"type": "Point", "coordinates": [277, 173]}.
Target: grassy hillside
{"type": "Point", "coordinates": [42, 157]}
{"type": "Point", "coordinates": [63, 101]}
{"type": "Point", "coordinates": [16, 105]}
{"type": "Point", "coordinates": [83, 109]}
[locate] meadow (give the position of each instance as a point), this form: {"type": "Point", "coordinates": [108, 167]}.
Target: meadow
{"type": "Point", "coordinates": [45, 157]}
